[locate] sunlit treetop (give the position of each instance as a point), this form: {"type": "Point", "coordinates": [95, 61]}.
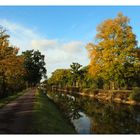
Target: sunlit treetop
{"type": "Point", "coordinates": [114, 48]}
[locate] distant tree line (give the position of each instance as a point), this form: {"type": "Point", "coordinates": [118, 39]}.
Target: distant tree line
{"type": "Point", "coordinates": [18, 72]}
{"type": "Point", "coordinates": [75, 76]}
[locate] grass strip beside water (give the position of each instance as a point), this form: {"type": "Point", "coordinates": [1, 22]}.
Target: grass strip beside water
{"type": "Point", "coordinates": [48, 119]}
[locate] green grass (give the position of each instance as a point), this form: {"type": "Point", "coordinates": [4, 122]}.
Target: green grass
{"type": "Point", "coordinates": [135, 95]}
{"type": "Point", "coordinates": [6, 100]}
{"type": "Point", "coordinates": [48, 119]}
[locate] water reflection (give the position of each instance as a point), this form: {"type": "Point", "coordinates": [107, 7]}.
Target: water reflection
{"type": "Point", "coordinates": [68, 104]}
{"type": "Point", "coordinates": [93, 116]}
{"type": "Point", "coordinates": [82, 124]}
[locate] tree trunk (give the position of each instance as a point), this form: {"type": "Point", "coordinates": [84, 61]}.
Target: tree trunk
{"type": "Point", "coordinates": [3, 89]}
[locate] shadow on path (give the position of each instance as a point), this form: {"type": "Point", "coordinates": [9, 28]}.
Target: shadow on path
{"type": "Point", "coordinates": [15, 117]}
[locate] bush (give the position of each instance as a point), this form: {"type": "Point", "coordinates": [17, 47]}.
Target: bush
{"type": "Point", "coordinates": [86, 90]}
{"type": "Point", "coordinates": [135, 95]}
{"type": "Point", "coordinates": [91, 91]}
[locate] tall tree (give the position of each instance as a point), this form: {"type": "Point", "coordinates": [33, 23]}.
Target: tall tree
{"type": "Point", "coordinates": [75, 70]}
{"type": "Point", "coordinates": [10, 62]}
{"type": "Point", "coordinates": [113, 56]}
{"type": "Point", "coordinates": [35, 67]}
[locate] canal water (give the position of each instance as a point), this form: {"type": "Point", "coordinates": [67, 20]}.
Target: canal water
{"type": "Point", "coordinates": [90, 116]}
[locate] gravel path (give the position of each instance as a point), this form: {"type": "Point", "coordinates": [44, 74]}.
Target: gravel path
{"type": "Point", "coordinates": [15, 117]}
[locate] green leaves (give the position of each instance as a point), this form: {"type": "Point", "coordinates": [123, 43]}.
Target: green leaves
{"type": "Point", "coordinates": [34, 66]}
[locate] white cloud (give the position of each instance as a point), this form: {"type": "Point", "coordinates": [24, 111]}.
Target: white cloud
{"type": "Point", "coordinates": [73, 46]}
{"type": "Point", "coordinates": [65, 54]}
{"type": "Point", "coordinates": [20, 35]}
{"type": "Point", "coordinates": [46, 44]}
{"type": "Point", "coordinates": [59, 54]}
{"type": "Point", "coordinates": [43, 44]}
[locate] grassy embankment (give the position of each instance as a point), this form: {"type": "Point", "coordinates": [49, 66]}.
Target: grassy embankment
{"type": "Point", "coordinates": [48, 119]}
{"type": "Point", "coordinates": [8, 99]}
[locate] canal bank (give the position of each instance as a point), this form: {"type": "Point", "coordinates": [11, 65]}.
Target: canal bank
{"type": "Point", "coordinates": [117, 96]}
{"type": "Point", "coordinates": [92, 116]}
{"type": "Point", "coordinates": [47, 118]}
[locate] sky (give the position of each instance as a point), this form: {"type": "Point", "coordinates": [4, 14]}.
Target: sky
{"type": "Point", "coordinates": [60, 32]}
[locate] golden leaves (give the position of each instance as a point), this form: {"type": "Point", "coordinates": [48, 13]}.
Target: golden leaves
{"type": "Point", "coordinates": [116, 45]}
{"type": "Point", "coordinates": [10, 62]}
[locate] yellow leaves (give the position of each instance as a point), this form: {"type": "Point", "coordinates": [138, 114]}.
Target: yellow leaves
{"type": "Point", "coordinates": [90, 47]}
{"type": "Point", "coordinates": [93, 69]}
{"type": "Point", "coordinates": [116, 45]}
{"type": "Point", "coordinates": [10, 63]}
{"type": "Point", "coordinates": [121, 20]}
{"type": "Point", "coordinates": [12, 66]}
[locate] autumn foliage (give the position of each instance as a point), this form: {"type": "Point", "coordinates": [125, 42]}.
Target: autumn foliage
{"type": "Point", "coordinates": [12, 68]}
{"type": "Point", "coordinates": [10, 65]}
{"type": "Point", "coordinates": [114, 56]}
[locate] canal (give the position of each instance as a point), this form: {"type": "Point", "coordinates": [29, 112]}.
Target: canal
{"type": "Point", "coordinates": [90, 116]}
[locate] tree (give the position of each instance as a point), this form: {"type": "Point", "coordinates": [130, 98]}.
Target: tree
{"type": "Point", "coordinates": [137, 67]}
{"type": "Point", "coordinates": [10, 64]}
{"type": "Point", "coordinates": [88, 81]}
{"type": "Point", "coordinates": [60, 77]}
{"type": "Point", "coordinates": [75, 70]}
{"type": "Point", "coordinates": [113, 56]}
{"type": "Point", "coordinates": [35, 67]}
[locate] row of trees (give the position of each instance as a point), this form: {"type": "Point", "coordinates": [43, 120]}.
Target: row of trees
{"type": "Point", "coordinates": [114, 59]}
{"type": "Point", "coordinates": [75, 76]}
{"type": "Point", "coordinates": [18, 71]}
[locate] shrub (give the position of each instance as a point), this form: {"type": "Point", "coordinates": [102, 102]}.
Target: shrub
{"type": "Point", "coordinates": [135, 95]}
{"type": "Point", "coordinates": [91, 91]}
{"type": "Point", "coordinates": [95, 91]}
{"type": "Point", "coordinates": [86, 90]}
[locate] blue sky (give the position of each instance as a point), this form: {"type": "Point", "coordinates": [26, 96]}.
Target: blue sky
{"type": "Point", "coordinates": [59, 32]}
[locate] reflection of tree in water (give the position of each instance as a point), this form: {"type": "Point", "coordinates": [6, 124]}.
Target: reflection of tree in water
{"type": "Point", "coordinates": [106, 118]}
{"type": "Point", "coordinates": [112, 118]}
{"type": "Point", "coordinates": [68, 104]}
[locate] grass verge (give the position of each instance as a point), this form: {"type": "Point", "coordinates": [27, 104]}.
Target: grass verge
{"type": "Point", "coordinates": [6, 100]}
{"type": "Point", "coordinates": [48, 119]}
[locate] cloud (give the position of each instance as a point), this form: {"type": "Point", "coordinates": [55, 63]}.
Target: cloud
{"type": "Point", "coordinates": [46, 44]}
{"type": "Point", "coordinates": [65, 54]}
{"type": "Point", "coordinates": [58, 53]}
{"type": "Point", "coordinates": [17, 29]}
{"type": "Point", "coordinates": [73, 46]}
{"type": "Point", "coordinates": [20, 35]}
{"type": "Point", "coordinates": [43, 44]}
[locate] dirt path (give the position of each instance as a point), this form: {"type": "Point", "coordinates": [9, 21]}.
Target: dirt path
{"type": "Point", "coordinates": [15, 117]}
